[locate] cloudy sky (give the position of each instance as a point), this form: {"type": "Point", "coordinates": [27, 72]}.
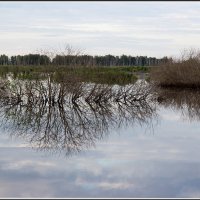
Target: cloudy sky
{"type": "Point", "coordinates": [99, 28]}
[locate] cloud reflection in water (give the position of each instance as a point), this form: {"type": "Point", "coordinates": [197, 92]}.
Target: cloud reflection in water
{"type": "Point", "coordinates": [130, 164]}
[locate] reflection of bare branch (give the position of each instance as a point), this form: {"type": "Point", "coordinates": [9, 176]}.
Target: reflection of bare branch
{"type": "Point", "coordinates": [185, 100]}
{"type": "Point", "coordinates": [73, 116]}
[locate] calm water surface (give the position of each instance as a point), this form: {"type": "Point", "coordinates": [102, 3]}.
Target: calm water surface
{"type": "Point", "coordinates": [159, 158]}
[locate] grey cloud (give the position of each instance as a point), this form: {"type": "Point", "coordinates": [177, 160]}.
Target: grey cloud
{"type": "Point", "coordinates": [52, 23]}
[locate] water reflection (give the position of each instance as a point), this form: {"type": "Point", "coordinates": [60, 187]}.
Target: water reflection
{"type": "Point", "coordinates": [73, 116]}
{"type": "Point", "coordinates": [75, 120]}
{"type": "Point", "coordinates": [187, 101]}
{"type": "Point", "coordinates": [131, 164]}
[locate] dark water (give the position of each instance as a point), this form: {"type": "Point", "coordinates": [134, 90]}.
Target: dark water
{"type": "Point", "coordinates": [146, 150]}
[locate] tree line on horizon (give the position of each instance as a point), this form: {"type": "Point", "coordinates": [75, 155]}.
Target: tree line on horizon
{"type": "Point", "coordinates": [81, 60]}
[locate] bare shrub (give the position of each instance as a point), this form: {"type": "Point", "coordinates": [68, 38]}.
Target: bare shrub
{"type": "Point", "coordinates": [68, 53]}
{"type": "Point", "coordinates": [181, 72]}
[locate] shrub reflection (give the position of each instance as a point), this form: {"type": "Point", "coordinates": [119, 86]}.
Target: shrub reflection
{"type": "Point", "coordinates": [185, 100]}
{"type": "Point", "coordinates": [71, 115]}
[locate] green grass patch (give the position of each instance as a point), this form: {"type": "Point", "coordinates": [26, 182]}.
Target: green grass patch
{"type": "Point", "coordinates": [105, 75]}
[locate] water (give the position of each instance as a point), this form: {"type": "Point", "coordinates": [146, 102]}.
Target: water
{"type": "Point", "coordinates": [153, 156]}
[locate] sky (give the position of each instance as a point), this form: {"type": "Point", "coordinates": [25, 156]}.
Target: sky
{"type": "Point", "coordinates": [99, 28]}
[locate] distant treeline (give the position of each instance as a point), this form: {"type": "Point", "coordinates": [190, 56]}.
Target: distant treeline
{"type": "Point", "coordinates": [81, 60]}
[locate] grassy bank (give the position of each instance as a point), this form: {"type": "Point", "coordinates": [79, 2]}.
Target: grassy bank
{"type": "Point", "coordinates": [108, 75]}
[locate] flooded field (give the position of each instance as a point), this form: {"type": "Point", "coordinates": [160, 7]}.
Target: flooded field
{"type": "Point", "coordinates": [92, 140]}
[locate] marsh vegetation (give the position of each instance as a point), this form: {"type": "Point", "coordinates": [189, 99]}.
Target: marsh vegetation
{"type": "Point", "coordinates": [70, 62]}
{"type": "Point", "coordinates": [183, 72]}
{"type": "Point", "coordinates": [103, 75]}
